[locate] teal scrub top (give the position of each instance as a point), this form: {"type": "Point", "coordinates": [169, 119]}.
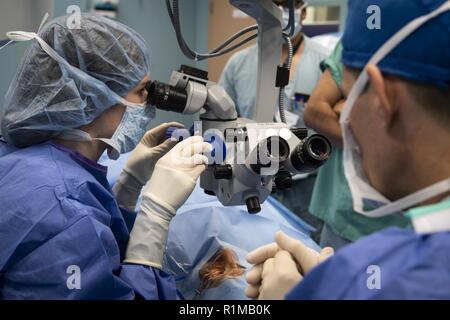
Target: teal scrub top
{"type": "Point", "coordinates": [332, 200]}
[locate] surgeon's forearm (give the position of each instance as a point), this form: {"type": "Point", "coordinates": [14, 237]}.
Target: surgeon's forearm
{"type": "Point", "coordinates": [127, 190]}
{"type": "Point", "coordinates": [148, 238]}
{"type": "Point", "coordinates": [323, 120]}
{"type": "Point", "coordinates": [320, 114]}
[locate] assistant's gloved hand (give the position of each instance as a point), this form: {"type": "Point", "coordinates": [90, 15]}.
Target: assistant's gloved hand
{"type": "Point", "coordinates": [140, 164]}
{"type": "Point", "coordinates": [172, 182]}
{"type": "Point", "coordinates": [278, 275]}
{"type": "Point", "coordinates": [305, 259]}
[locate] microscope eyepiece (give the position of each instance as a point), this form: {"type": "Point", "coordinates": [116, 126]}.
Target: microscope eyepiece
{"type": "Point", "coordinates": [270, 151]}
{"type": "Point", "coordinates": [311, 154]}
{"type": "Point", "coordinates": [318, 147]}
{"type": "Point", "coordinates": [277, 148]}
{"type": "Point", "coordinates": [166, 97]}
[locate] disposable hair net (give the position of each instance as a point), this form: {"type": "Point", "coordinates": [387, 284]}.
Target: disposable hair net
{"type": "Point", "coordinates": [98, 64]}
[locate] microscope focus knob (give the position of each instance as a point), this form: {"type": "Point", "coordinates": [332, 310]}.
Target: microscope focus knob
{"type": "Point", "coordinates": [301, 133]}
{"type": "Point", "coordinates": [223, 172]}
{"type": "Point", "coordinates": [283, 180]}
{"type": "Point", "coordinates": [274, 189]}
{"type": "Point", "coordinates": [253, 205]}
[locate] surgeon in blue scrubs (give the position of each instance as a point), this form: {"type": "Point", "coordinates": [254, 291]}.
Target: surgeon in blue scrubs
{"type": "Point", "coordinates": [396, 160]}
{"type": "Point", "coordinates": [64, 233]}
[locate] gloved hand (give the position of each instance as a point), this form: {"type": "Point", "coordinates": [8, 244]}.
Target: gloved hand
{"type": "Point", "coordinates": [140, 164]}
{"type": "Point", "coordinates": [278, 275]}
{"type": "Point", "coordinates": [304, 257]}
{"type": "Point", "coordinates": [172, 182]}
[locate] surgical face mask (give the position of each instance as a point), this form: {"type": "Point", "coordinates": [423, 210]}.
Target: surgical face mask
{"type": "Point", "coordinates": [134, 121]}
{"type": "Point", "coordinates": [366, 199]}
{"type": "Point", "coordinates": [298, 24]}
{"type": "Point", "coordinates": [129, 133]}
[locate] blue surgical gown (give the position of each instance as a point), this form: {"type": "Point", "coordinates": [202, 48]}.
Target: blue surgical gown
{"type": "Point", "coordinates": [391, 264]}
{"type": "Point", "coordinates": [57, 211]}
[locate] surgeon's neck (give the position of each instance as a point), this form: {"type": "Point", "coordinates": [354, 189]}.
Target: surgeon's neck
{"type": "Point", "coordinates": [90, 150]}
{"type": "Point", "coordinates": [430, 172]}
{"type": "Point", "coordinates": [428, 166]}
{"type": "Point", "coordinates": [295, 42]}
{"type": "Point", "coordinates": [103, 126]}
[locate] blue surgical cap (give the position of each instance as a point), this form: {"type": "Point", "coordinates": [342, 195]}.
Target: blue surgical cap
{"type": "Point", "coordinates": [424, 56]}
{"type": "Point", "coordinates": [106, 59]}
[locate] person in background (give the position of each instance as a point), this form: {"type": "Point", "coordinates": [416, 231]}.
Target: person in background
{"type": "Point", "coordinates": [331, 199]}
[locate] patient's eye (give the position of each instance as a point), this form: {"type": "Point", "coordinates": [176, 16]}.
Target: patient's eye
{"type": "Point", "coordinates": [221, 266]}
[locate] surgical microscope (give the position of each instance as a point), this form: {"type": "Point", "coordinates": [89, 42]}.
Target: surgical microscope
{"type": "Point", "coordinates": [251, 158]}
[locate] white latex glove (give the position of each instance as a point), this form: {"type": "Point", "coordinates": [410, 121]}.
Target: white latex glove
{"type": "Point", "coordinates": [172, 182]}
{"type": "Point", "coordinates": [140, 165]}
{"type": "Point", "coordinates": [279, 275]}
{"type": "Point", "coordinates": [304, 257]}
